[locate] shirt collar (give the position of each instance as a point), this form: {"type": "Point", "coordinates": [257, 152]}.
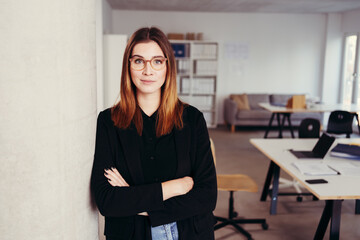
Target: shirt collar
{"type": "Point", "coordinates": [145, 116]}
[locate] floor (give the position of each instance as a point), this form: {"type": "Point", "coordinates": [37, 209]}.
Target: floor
{"type": "Point", "coordinates": [294, 220]}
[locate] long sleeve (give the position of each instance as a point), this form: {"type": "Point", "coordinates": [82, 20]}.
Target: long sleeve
{"type": "Point", "coordinates": [118, 201]}
{"type": "Point", "coordinates": [202, 198]}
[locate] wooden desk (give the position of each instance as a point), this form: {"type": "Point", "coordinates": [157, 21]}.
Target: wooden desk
{"type": "Point", "coordinates": [279, 111]}
{"type": "Point", "coordinates": [338, 188]}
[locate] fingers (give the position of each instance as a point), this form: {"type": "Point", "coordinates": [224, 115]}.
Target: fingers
{"type": "Point", "coordinates": [111, 178]}
{"type": "Point", "coordinates": [114, 178]}
{"type": "Point", "coordinates": [121, 178]}
{"type": "Point", "coordinates": [143, 214]}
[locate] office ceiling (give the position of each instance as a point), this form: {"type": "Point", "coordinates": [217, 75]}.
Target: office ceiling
{"type": "Point", "coordinates": [243, 6]}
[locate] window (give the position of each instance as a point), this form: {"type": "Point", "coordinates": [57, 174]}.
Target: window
{"type": "Point", "coordinates": [350, 83]}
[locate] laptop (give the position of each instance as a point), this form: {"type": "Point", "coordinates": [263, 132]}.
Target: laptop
{"type": "Point", "coordinates": [320, 149]}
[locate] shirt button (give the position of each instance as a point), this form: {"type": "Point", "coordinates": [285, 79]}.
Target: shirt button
{"type": "Point", "coordinates": [152, 158]}
{"type": "Point", "coordinates": [150, 139]}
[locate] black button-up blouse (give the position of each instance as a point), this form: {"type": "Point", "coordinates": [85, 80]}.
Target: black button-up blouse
{"type": "Point", "coordinates": [158, 155]}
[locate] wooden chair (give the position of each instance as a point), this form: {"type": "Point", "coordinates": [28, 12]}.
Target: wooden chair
{"type": "Point", "coordinates": [235, 183]}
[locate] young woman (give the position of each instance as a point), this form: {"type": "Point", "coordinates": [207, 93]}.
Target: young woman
{"type": "Point", "coordinates": [153, 175]}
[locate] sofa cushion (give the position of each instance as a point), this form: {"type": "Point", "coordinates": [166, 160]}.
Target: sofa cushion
{"type": "Point", "coordinates": [253, 114]}
{"type": "Point", "coordinates": [241, 101]}
{"type": "Point", "coordinates": [255, 99]}
{"type": "Point", "coordinates": [280, 99]}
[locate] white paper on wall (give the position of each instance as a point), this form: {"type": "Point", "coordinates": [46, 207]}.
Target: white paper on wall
{"type": "Point", "coordinates": [236, 51]}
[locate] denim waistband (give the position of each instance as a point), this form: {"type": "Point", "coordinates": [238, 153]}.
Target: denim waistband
{"type": "Point", "coordinates": [165, 232]}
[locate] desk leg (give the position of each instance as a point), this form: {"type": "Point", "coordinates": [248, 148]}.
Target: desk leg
{"type": "Point", "coordinates": [357, 206]}
{"type": "Point", "coordinates": [324, 221]}
{"type": "Point", "coordinates": [265, 191]}
{"type": "Point", "coordinates": [331, 211]}
{"type": "Point", "coordinates": [335, 220]}
{"type": "Point", "coordinates": [269, 126]}
{"type": "Point", "coordinates": [275, 189]}
{"type": "Point", "coordinates": [288, 115]}
{"type": "Point", "coordinates": [279, 125]}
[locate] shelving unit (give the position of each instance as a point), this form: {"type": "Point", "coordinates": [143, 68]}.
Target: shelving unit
{"type": "Point", "coordinates": [197, 75]}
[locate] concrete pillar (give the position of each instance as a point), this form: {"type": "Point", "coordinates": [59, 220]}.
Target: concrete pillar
{"type": "Point", "coordinates": [47, 119]}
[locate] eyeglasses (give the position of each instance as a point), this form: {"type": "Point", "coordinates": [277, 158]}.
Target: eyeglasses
{"type": "Point", "coordinates": [139, 63]}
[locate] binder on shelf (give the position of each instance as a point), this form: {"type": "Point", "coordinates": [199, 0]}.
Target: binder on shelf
{"type": "Point", "coordinates": [346, 151]}
{"type": "Point", "coordinates": [179, 49]}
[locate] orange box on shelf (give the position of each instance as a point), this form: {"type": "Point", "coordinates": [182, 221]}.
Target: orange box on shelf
{"type": "Point", "coordinates": [176, 36]}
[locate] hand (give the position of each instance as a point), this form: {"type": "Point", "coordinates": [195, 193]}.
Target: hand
{"type": "Point", "coordinates": [143, 214]}
{"type": "Point", "coordinates": [186, 183]}
{"type": "Point", "coordinates": [177, 187]}
{"type": "Point", "coordinates": [114, 178]}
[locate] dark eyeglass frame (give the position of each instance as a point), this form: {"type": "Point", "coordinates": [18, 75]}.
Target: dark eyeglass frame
{"type": "Point", "coordinates": [146, 61]}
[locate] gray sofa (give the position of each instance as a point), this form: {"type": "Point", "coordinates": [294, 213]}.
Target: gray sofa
{"type": "Point", "coordinates": [257, 116]}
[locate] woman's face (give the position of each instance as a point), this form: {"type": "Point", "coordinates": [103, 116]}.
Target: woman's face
{"type": "Point", "coordinates": [148, 80]}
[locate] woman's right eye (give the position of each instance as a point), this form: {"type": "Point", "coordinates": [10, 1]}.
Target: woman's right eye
{"type": "Point", "coordinates": [139, 61]}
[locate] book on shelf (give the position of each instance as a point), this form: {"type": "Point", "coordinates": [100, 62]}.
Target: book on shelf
{"type": "Point", "coordinates": [207, 50]}
{"type": "Point", "coordinates": [204, 85]}
{"type": "Point", "coordinates": [346, 151]}
{"type": "Point", "coordinates": [205, 67]}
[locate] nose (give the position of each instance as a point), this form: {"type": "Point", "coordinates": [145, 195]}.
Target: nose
{"type": "Point", "coordinates": [148, 69]}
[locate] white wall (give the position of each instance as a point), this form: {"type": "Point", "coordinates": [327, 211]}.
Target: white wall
{"type": "Point", "coordinates": [103, 26]}
{"type": "Point", "coordinates": [48, 119]}
{"type": "Point", "coordinates": [99, 53]}
{"type": "Point", "coordinates": [351, 21]}
{"type": "Point", "coordinates": [114, 47]}
{"type": "Point", "coordinates": [285, 51]}
{"type": "Point", "coordinates": [107, 17]}
{"type": "Point", "coordinates": [332, 60]}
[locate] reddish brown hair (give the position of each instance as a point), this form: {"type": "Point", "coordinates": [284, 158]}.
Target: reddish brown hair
{"type": "Point", "coordinates": [127, 111]}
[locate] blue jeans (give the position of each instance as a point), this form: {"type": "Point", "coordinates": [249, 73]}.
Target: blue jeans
{"type": "Point", "coordinates": [165, 232]}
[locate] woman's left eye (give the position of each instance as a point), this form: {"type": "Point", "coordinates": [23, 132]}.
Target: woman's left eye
{"type": "Point", "coordinates": [158, 61]}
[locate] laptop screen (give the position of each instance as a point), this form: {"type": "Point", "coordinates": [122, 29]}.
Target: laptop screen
{"type": "Point", "coordinates": [323, 144]}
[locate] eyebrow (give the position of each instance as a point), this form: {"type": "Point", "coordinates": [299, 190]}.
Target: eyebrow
{"type": "Point", "coordinates": [136, 55]}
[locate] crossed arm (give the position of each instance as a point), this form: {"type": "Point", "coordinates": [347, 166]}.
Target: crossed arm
{"type": "Point", "coordinates": [170, 188]}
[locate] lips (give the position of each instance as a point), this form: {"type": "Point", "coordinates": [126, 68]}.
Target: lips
{"type": "Point", "coordinates": [147, 81]}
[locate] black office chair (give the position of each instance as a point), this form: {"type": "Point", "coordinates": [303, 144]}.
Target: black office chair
{"type": "Point", "coordinates": [340, 122]}
{"type": "Point", "coordinates": [309, 128]}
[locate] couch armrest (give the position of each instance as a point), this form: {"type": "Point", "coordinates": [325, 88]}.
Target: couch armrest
{"type": "Point", "coordinates": [230, 110]}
